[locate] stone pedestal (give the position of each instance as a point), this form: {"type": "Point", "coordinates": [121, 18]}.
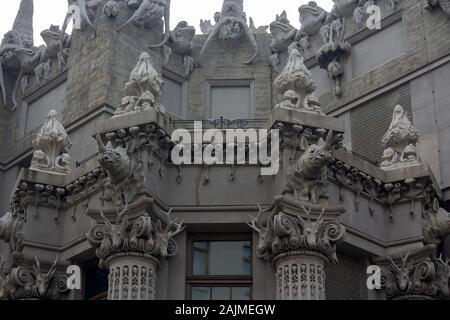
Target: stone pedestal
{"type": "Point", "coordinates": [300, 275]}
{"type": "Point", "coordinates": [132, 277]}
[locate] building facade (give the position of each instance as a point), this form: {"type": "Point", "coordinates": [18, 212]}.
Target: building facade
{"type": "Point", "coordinates": [355, 114]}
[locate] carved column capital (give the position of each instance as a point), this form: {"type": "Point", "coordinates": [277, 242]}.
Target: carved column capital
{"type": "Point", "coordinates": [20, 279]}
{"type": "Point", "coordinates": [133, 246]}
{"type": "Point", "coordinates": [299, 239]}
{"type": "Point", "coordinates": [421, 275]}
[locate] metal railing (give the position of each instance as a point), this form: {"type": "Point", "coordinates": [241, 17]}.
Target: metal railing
{"type": "Point", "coordinates": [220, 123]}
{"type": "Point", "coordinates": [360, 156]}
{"type": "Point", "coordinates": [84, 161]}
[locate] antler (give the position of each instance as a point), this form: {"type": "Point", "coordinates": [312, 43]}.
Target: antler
{"type": "Point", "coordinates": [320, 220]}
{"type": "Point", "coordinates": [122, 213]}
{"type": "Point", "coordinates": [37, 267]}
{"type": "Point", "coordinates": [179, 228]}
{"type": "Point", "coordinates": [394, 265]}
{"type": "Point", "coordinates": [106, 221]}
{"type": "Point", "coordinates": [308, 212]}
{"type": "Point", "coordinates": [405, 260]}
{"type": "Point", "coordinates": [52, 268]}
{"type": "Point", "coordinates": [255, 221]}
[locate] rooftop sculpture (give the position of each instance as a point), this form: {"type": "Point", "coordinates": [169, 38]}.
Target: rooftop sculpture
{"type": "Point", "coordinates": [296, 78]}
{"type": "Point", "coordinates": [143, 90]}
{"type": "Point", "coordinates": [52, 145]}
{"type": "Point", "coordinates": [231, 26]}
{"type": "Point", "coordinates": [16, 54]}
{"type": "Point", "coordinates": [400, 141]}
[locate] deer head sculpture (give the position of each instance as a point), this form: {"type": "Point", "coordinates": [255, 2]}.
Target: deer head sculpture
{"type": "Point", "coordinates": [117, 231]}
{"type": "Point", "coordinates": [310, 229]}
{"type": "Point", "coordinates": [43, 280]}
{"type": "Point", "coordinates": [402, 272]}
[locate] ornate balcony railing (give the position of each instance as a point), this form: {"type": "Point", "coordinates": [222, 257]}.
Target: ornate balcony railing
{"type": "Point", "coordinates": [221, 123]}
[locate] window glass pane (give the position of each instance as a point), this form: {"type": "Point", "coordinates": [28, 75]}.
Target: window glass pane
{"type": "Point", "coordinates": [172, 96]}
{"type": "Point", "coordinates": [221, 293]}
{"type": "Point", "coordinates": [201, 293]}
{"type": "Point", "coordinates": [229, 258]}
{"type": "Point", "coordinates": [230, 102]}
{"type": "Point", "coordinates": [240, 293]}
{"type": "Point", "coordinates": [200, 258]}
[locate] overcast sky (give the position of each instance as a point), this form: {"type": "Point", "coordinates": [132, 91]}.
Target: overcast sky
{"type": "Point", "coordinates": [47, 12]}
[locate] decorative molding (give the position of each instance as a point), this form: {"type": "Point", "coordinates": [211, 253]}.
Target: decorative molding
{"type": "Point", "coordinates": [25, 283]}
{"type": "Point", "coordinates": [150, 234]}
{"type": "Point", "coordinates": [418, 276]}
{"type": "Point", "coordinates": [289, 226]}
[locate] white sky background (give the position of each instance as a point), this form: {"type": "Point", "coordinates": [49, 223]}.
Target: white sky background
{"type": "Point", "coordinates": [47, 12]}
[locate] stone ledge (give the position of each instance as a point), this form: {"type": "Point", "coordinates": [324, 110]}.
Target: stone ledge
{"type": "Point", "coordinates": [307, 119]}
{"type": "Point", "coordinates": [133, 119]}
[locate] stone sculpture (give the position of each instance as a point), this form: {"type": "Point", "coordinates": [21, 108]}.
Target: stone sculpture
{"type": "Point", "coordinates": [111, 9]}
{"type": "Point", "coordinates": [18, 282]}
{"type": "Point", "coordinates": [84, 10]}
{"type": "Point", "coordinates": [52, 145]}
{"type": "Point", "coordinates": [206, 26]}
{"type": "Point", "coordinates": [331, 54]}
{"type": "Point", "coordinates": [283, 34]}
{"type": "Point", "coordinates": [254, 29]}
{"type": "Point", "coordinates": [180, 42]}
{"type": "Point", "coordinates": [148, 14]}
{"type": "Point", "coordinates": [298, 244]}
{"type": "Point", "coordinates": [144, 88]}
{"type": "Point", "coordinates": [11, 230]}
{"type": "Point", "coordinates": [312, 19]}
{"type": "Point", "coordinates": [400, 141]}
{"type": "Point", "coordinates": [436, 225]}
{"type": "Point", "coordinates": [308, 180]}
{"type": "Point", "coordinates": [147, 235]}
{"type": "Point", "coordinates": [231, 27]}
{"type": "Point", "coordinates": [16, 55]}
{"type": "Point", "coordinates": [419, 276]}
{"type": "Point", "coordinates": [296, 77]}
{"type": "Point", "coordinates": [443, 4]}
{"type": "Point", "coordinates": [125, 175]}
{"type": "Point", "coordinates": [56, 49]}
{"type": "Point", "coordinates": [343, 8]}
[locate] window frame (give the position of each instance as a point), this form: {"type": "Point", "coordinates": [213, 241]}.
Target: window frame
{"type": "Point", "coordinates": [213, 280]}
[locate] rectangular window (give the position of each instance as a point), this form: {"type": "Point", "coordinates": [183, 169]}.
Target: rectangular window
{"type": "Point", "coordinates": [230, 99]}
{"type": "Point", "coordinates": [173, 96]}
{"type": "Point", "coordinates": [220, 267]}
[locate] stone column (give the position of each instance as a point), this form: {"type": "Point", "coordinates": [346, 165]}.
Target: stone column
{"type": "Point", "coordinates": [300, 275]}
{"type": "Point", "coordinates": [132, 277]}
